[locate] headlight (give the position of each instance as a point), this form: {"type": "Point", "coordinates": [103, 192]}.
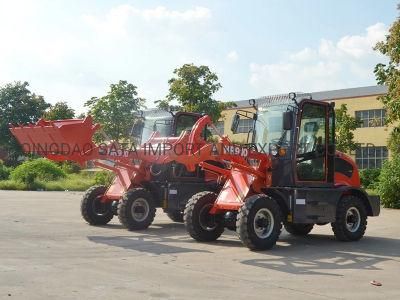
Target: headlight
{"type": "Point", "coordinates": [273, 149]}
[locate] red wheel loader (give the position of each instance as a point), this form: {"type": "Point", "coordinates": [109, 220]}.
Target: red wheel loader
{"type": "Point", "coordinates": [303, 181]}
{"type": "Point", "coordinates": [162, 172]}
{"type": "Point", "coordinates": [145, 177]}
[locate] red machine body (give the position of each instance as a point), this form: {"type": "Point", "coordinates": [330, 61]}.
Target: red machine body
{"type": "Point", "coordinates": [73, 140]}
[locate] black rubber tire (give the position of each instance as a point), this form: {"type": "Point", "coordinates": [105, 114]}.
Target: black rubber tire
{"type": "Point", "coordinates": [90, 212]}
{"type": "Point", "coordinates": [125, 215]}
{"type": "Point", "coordinates": [298, 229]}
{"type": "Point", "coordinates": [195, 211]}
{"type": "Point", "coordinates": [339, 226]}
{"type": "Point", "coordinates": [176, 216]}
{"type": "Point", "coordinates": [245, 222]}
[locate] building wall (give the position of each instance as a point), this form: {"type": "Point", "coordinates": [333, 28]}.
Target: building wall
{"type": "Point", "coordinates": [227, 117]}
{"type": "Point", "coordinates": [376, 136]}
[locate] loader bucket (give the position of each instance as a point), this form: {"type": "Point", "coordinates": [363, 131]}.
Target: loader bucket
{"type": "Point", "coordinates": [236, 188]}
{"type": "Point", "coordinates": [58, 140]}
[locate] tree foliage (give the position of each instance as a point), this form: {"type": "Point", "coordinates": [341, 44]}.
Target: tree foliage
{"type": "Point", "coordinates": [4, 171]}
{"type": "Point", "coordinates": [59, 111]}
{"type": "Point", "coordinates": [370, 178]}
{"type": "Point", "coordinates": [345, 125]}
{"type": "Point", "coordinates": [193, 87]}
{"type": "Point", "coordinates": [389, 73]}
{"type": "Point", "coordinates": [394, 141]}
{"type": "Point", "coordinates": [115, 111]}
{"type": "Point", "coordinates": [17, 105]}
{"type": "Point", "coordinates": [389, 183]}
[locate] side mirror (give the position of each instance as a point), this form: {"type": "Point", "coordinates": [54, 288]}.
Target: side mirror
{"type": "Point", "coordinates": [235, 123]}
{"type": "Point", "coordinates": [287, 120]}
{"type": "Point", "coordinates": [292, 96]}
{"type": "Point", "coordinates": [252, 103]}
{"type": "Point", "coordinates": [137, 128]}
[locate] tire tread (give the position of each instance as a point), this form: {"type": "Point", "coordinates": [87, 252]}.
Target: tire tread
{"type": "Point", "coordinates": [191, 227]}
{"type": "Point", "coordinates": [242, 223]}
{"type": "Point", "coordinates": [86, 202]}
{"type": "Point", "coordinates": [124, 210]}
{"type": "Point", "coordinates": [298, 229]}
{"type": "Point", "coordinates": [338, 226]}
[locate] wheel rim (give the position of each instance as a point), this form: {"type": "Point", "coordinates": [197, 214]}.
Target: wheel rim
{"type": "Point", "coordinates": [206, 220]}
{"type": "Point", "coordinates": [99, 207]}
{"type": "Point", "coordinates": [263, 223]}
{"type": "Point", "coordinates": [353, 219]}
{"type": "Point", "coordinates": [140, 209]}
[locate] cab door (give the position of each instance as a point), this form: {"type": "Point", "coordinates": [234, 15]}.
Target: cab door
{"type": "Point", "coordinates": [314, 197]}
{"type": "Point", "coordinates": [311, 151]}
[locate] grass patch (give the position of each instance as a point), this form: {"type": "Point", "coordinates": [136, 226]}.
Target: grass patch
{"type": "Point", "coordinates": [73, 182]}
{"type": "Point", "coordinates": [12, 185]}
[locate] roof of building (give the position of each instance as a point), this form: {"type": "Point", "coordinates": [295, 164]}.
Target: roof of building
{"type": "Point", "coordinates": [372, 90]}
{"type": "Point", "coordinates": [326, 95]}
{"type": "Point", "coordinates": [350, 93]}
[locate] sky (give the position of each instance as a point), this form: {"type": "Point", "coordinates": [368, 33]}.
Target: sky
{"type": "Point", "coordinates": [73, 50]}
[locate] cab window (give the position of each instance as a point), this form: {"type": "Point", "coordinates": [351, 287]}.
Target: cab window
{"type": "Point", "coordinates": [311, 143]}
{"type": "Point", "coordinates": [185, 122]}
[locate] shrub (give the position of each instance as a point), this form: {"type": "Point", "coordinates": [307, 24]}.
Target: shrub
{"type": "Point", "coordinates": [389, 183]}
{"type": "Point", "coordinates": [104, 178]}
{"type": "Point", "coordinates": [370, 178]}
{"type": "Point", "coordinates": [12, 185]}
{"type": "Point", "coordinates": [4, 171]}
{"type": "Point", "coordinates": [70, 167]}
{"type": "Point", "coordinates": [39, 169]}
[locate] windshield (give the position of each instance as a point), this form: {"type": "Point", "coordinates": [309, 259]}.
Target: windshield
{"type": "Point", "coordinates": [185, 123]}
{"type": "Point", "coordinates": [161, 124]}
{"type": "Point", "coordinates": [269, 127]}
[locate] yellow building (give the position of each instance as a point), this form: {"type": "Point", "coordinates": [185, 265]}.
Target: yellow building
{"type": "Point", "coordinates": [361, 102]}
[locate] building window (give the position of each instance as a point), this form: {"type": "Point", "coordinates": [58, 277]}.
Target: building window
{"type": "Point", "coordinates": [371, 157]}
{"type": "Point", "coordinates": [220, 127]}
{"type": "Point", "coordinates": [371, 118]}
{"type": "Point", "coordinates": [245, 125]}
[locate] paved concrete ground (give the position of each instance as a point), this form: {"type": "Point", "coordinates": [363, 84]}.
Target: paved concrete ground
{"type": "Point", "coordinates": [47, 252]}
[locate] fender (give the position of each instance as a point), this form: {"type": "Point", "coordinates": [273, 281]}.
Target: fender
{"type": "Point", "coordinates": [373, 203]}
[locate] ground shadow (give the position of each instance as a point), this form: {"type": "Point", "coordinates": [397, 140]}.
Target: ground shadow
{"type": "Point", "coordinates": [157, 239]}
{"type": "Point", "coordinates": [144, 243]}
{"type": "Point", "coordinates": [314, 254]}
{"type": "Point", "coordinates": [111, 226]}
{"type": "Point", "coordinates": [175, 232]}
{"type": "Point", "coordinates": [161, 227]}
{"type": "Point", "coordinates": [323, 255]}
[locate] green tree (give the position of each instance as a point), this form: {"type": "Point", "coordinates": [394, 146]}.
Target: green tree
{"type": "Point", "coordinates": [193, 88]}
{"type": "Point", "coordinates": [389, 73]}
{"type": "Point", "coordinates": [115, 111]}
{"type": "Point", "coordinates": [394, 141]}
{"type": "Point", "coordinates": [345, 125]}
{"type": "Point", "coordinates": [81, 116]}
{"type": "Point", "coordinates": [17, 105]}
{"type": "Point", "coordinates": [389, 183]}
{"type": "Point", "coordinates": [59, 111]}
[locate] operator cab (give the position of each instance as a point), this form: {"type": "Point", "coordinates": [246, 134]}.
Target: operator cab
{"type": "Point", "coordinates": [165, 123]}
{"type": "Point", "coordinates": [299, 135]}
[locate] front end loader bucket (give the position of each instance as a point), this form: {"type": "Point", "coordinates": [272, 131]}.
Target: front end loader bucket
{"type": "Point", "coordinates": [58, 140]}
